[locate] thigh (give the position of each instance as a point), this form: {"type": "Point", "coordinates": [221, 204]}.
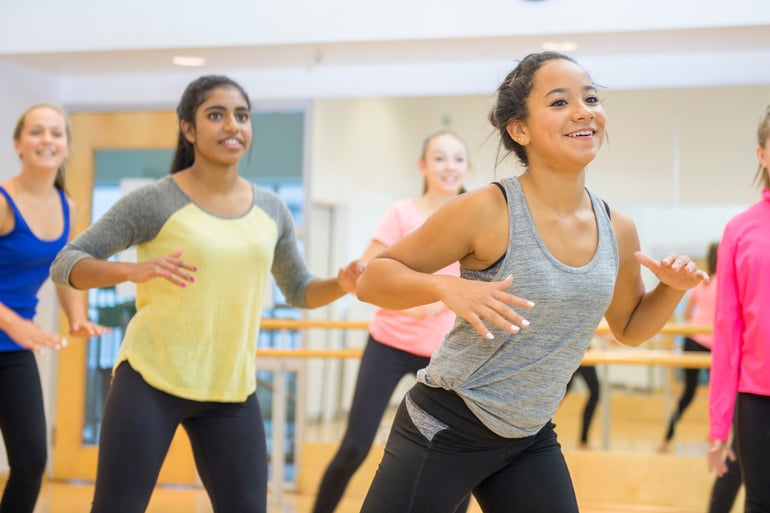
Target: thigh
{"type": "Point", "coordinates": [22, 414]}
{"type": "Point", "coordinates": [138, 424]}
{"type": "Point", "coordinates": [228, 441]}
{"type": "Point", "coordinates": [753, 433]}
{"type": "Point", "coordinates": [416, 475]}
{"type": "Point", "coordinates": [535, 480]}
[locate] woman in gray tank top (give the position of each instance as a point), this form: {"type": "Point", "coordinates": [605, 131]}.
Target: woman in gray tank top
{"type": "Point", "coordinates": [542, 262]}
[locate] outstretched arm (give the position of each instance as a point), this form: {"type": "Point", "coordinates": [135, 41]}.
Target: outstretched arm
{"type": "Point", "coordinates": [467, 229]}
{"type": "Point", "coordinates": [635, 314]}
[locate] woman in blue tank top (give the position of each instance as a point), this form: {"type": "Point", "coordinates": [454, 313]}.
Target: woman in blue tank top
{"type": "Point", "coordinates": [35, 223]}
{"type": "Point", "coordinates": [542, 262]}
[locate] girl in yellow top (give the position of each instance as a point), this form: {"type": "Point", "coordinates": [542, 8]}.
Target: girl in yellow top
{"type": "Point", "coordinates": [188, 354]}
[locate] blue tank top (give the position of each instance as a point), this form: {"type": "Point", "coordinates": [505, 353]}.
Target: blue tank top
{"type": "Point", "coordinates": [24, 263]}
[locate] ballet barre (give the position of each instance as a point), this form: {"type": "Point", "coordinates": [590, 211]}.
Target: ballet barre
{"type": "Point", "coordinates": [603, 357]}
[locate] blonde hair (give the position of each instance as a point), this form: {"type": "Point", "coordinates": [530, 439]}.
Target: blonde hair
{"type": "Point", "coordinates": [762, 178]}
{"type": "Point", "coordinates": [59, 181]}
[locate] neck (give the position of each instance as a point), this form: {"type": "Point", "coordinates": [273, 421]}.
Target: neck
{"type": "Point", "coordinates": [35, 182]}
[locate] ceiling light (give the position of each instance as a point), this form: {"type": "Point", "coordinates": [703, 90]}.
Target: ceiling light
{"type": "Point", "coordinates": [559, 46]}
{"type": "Point", "coordinates": [182, 60]}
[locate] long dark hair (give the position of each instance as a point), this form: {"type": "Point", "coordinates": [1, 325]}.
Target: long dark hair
{"type": "Point", "coordinates": [512, 95]}
{"type": "Point", "coordinates": [194, 95]}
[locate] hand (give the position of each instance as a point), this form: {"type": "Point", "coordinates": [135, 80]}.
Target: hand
{"type": "Point", "coordinates": [170, 267]}
{"type": "Point", "coordinates": [30, 336]}
{"type": "Point", "coordinates": [347, 277]}
{"type": "Point", "coordinates": [716, 457]}
{"type": "Point", "coordinates": [677, 271]}
{"type": "Point", "coordinates": [476, 300]}
{"type": "Point", "coordinates": [87, 329]}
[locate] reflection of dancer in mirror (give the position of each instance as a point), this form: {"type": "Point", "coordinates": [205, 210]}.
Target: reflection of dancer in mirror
{"type": "Point", "coordinates": [740, 361]}
{"type": "Point", "coordinates": [36, 221]}
{"type": "Point", "coordinates": [207, 242]}
{"type": "Point", "coordinates": [699, 311]}
{"type": "Point", "coordinates": [400, 341]}
{"type": "Point", "coordinates": [541, 262]}
{"type": "Point", "coordinates": [591, 379]}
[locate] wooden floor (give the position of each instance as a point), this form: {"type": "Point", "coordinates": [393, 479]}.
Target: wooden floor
{"type": "Point", "coordinates": [641, 483]}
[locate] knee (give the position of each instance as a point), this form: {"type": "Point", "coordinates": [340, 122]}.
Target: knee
{"type": "Point", "coordinates": [351, 455]}
{"type": "Point", "coordinates": [30, 468]}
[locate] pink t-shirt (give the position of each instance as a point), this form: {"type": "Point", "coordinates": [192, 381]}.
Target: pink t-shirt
{"type": "Point", "coordinates": [420, 336]}
{"type": "Point", "coordinates": [740, 356]}
{"type": "Point", "coordinates": [703, 299]}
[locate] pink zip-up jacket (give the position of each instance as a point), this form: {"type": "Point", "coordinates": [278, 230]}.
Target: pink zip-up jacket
{"type": "Point", "coordinates": [740, 356]}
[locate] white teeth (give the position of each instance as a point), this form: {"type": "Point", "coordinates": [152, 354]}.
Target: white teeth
{"type": "Point", "coordinates": [230, 141]}
{"type": "Point", "coordinates": [582, 133]}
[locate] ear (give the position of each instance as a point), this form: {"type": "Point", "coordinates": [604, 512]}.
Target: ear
{"type": "Point", "coordinates": [763, 157]}
{"type": "Point", "coordinates": [422, 166]}
{"type": "Point", "coordinates": [17, 147]}
{"type": "Point", "coordinates": [518, 132]}
{"type": "Point", "coordinates": [188, 130]}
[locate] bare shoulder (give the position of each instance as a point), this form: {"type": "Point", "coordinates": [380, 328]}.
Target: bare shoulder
{"type": "Point", "coordinates": [6, 215]}
{"type": "Point", "coordinates": [486, 218]}
{"type": "Point", "coordinates": [626, 235]}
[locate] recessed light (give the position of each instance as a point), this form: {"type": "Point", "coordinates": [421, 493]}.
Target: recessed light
{"type": "Point", "coordinates": [559, 46]}
{"type": "Point", "coordinates": [182, 60]}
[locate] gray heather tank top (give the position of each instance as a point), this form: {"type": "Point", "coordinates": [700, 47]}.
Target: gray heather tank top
{"type": "Point", "coordinates": [514, 383]}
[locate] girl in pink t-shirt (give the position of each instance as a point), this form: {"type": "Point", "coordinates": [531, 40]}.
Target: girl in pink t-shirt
{"type": "Point", "coordinates": [400, 342]}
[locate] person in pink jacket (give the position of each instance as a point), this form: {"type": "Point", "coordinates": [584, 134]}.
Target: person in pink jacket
{"type": "Point", "coordinates": [740, 368]}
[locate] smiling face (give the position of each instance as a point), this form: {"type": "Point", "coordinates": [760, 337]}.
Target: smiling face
{"type": "Point", "coordinates": [41, 140]}
{"type": "Point", "coordinates": [566, 122]}
{"type": "Point", "coordinates": [221, 134]}
{"type": "Point", "coordinates": [444, 164]}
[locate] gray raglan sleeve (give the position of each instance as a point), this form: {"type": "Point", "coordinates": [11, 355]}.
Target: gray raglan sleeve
{"type": "Point", "coordinates": [289, 269]}
{"type": "Point", "coordinates": [135, 218]}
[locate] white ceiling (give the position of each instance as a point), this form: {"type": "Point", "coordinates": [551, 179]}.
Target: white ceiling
{"type": "Point", "coordinates": [342, 48]}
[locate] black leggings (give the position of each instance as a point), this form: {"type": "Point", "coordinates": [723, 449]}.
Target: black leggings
{"type": "Point", "coordinates": [753, 432]}
{"type": "Point", "coordinates": [22, 421]}
{"type": "Point", "coordinates": [433, 466]}
{"type": "Point", "coordinates": [690, 387]}
{"type": "Point", "coordinates": [589, 375]}
{"type": "Point", "coordinates": [382, 367]}
{"type": "Point", "coordinates": [228, 443]}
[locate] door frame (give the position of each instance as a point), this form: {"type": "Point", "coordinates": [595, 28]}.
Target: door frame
{"type": "Point", "coordinates": [97, 131]}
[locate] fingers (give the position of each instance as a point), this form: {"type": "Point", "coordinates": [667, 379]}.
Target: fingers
{"type": "Point", "coordinates": [88, 329]}
{"type": "Point", "coordinates": [498, 311]}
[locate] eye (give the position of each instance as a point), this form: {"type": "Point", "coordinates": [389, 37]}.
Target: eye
{"type": "Point", "coordinates": [593, 99]}
{"type": "Point", "coordinates": [242, 117]}
{"type": "Point", "coordinates": [215, 116]}
{"type": "Point", "coordinates": [559, 103]}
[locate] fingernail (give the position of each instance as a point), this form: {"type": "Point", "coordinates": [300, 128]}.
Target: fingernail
{"type": "Point", "coordinates": [489, 336]}
{"type": "Point", "coordinates": [514, 328]}
{"type": "Point", "coordinates": [530, 303]}
{"type": "Point", "coordinates": [525, 322]}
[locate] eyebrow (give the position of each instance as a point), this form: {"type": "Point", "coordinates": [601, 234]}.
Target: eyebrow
{"type": "Point", "coordinates": [562, 90]}
{"type": "Point", "coordinates": [222, 107]}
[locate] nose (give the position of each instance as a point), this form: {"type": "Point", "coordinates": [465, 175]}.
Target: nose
{"type": "Point", "coordinates": [584, 111]}
{"type": "Point", "coordinates": [231, 124]}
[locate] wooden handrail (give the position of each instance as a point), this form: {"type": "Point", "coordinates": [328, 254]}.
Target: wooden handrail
{"type": "Point", "coordinates": [629, 356]}
{"type": "Point", "coordinates": [602, 329]}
